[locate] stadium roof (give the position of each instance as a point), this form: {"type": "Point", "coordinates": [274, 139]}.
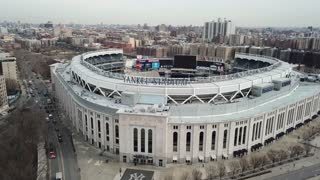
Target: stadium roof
{"type": "Point", "coordinates": [205, 113]}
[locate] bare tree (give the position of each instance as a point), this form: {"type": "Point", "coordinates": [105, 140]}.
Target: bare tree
{"type": "Point", "coordinates": [184, 175]}
{"type": "Point", "coordinates": [295, 150]}
{"type": "Point", "coordinates": [282, 155]}
{"type": "Point", "coordinates": [273, 155]}
{"type": "Point", "coordinates": [221, 169]}
{"type": "Point", "coordinates": [306, 135]}
{"type": "Point", "coordinates": [263, 160]}
{"type": "Point", "coordinates": [255, 161]}
{"type": "Point", "coordinates": [307, 149]}
{"type": "Point", "coordinates": [211, 171]}
{"type": "Point", "coordinates": [168, 177]}
{"type": "Point", "coordinates": [19, 143]}
{"type": "Point", "coordinates": [234, 167]}
{"type": "Point", "coordinates": [196, 174]}
{"type": "Point", "coordinates": [244, 164]}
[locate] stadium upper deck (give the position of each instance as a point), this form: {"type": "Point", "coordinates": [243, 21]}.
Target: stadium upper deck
{"type": "Point", "coordinates": [89, 74]}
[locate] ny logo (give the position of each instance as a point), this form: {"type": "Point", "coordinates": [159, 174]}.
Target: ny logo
{"type": "Point", "coordinates": [136, 177]}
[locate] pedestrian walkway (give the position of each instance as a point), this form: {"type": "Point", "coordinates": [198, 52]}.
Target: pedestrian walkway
{"type": "Point", "coordinates": [296, 165]}
{"type": "Point", "coordinates": [93, 163]}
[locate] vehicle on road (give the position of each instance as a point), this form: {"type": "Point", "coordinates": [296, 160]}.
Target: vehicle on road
{"type": "Point", "coordinates": [52, 153]}
{"type": "Point", "coordinates": [59, 176]}
{"type": "Point", "coordinates": [47, 119]}
{"type": "Point", "coordinates": [60, 138]}
{"type": "Point", "coordinates": [50, 116]}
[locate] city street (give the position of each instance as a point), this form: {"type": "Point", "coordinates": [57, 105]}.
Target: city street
{"type": "Point", "coordinates": [66, 157]}
{"type": "Point", "coordinates": [65, 161]}
{"type": "Point", "coordinates": [303, 173]}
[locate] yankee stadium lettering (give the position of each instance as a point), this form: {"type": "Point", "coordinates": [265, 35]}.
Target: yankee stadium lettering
{"type": "Point", "coordinates": [155, 81]}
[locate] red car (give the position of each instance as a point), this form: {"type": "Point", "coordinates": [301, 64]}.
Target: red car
{"type": "Point", "coordinates": [52, 155]}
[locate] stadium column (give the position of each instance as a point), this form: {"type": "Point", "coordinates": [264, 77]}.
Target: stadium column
{"type": "Point", "coordinates": [220, 149]}
{"type": "Point", "coordinates": [275, 123]}
{"type": "Point", "coordinates": [195, 142]}
{"type": "Point", "coordinates": [208, 142]}
{"type": "Point", "coordinates": [250, 134]}
{"type": "Point", "coordinates": [182, 141]}
{"type": "Point", "coordinates": [263, 128]}
{"type": "Point", "coordinates": [231, 138]}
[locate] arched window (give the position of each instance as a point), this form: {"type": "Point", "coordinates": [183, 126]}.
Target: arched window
{"type": "Point", "coordinates": [91, 123]}
{"type": "Point", "coordinates": [149, 141]}
{"type": "Point", "coordinates": [107, 128]}
{"type": "Point", "coordinates": [143, 142]}
{"type": "Point", "coordinates": [99, 127]}
{"type": "Point", "coordinates": [86, 119]}
{"type": "Point", "coordinates": [253, 132]}
{"type": "Point", "coordinates": [213, 140]}
{"type": "Point", "coordinates": [235, 137]}
{"type": "Point", "coordinates": [240, 135]}
{"type": "Point", "coordinates": [271, 126]}
{"type": "Point", "coordinates": [135, 140]}
{"type": "Point", "coordinates": [259, 133]}
{"type": "Point", "coordinates": [244, 135]}
{"type": "Point", "coordinates": [201, 141]}
{"type": "Point", "coordinates": [188, 142]}
{"type": "Point", "coordinates": [117, 131]}
{"type": "Point", "coordinates": [267, 127]}
{"type": "Point", "coordinates": [175, 142]}
{"type": "Point", "coordinates": [225, 136]}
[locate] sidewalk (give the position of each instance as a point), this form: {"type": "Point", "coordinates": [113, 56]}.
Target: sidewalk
{"type": "Point", "coordinates": [93, 166]}
{"type": "Point", "coordinates": [305, 162]}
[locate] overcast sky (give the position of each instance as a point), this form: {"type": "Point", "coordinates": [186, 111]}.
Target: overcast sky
{"type": "Point", "coordinates": [177, 12]}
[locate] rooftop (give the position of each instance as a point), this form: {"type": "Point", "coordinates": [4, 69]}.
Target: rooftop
{"type": "Point", "coordinates": [247, 108]}
{"type": "Point", "coordinates": [198, 113]}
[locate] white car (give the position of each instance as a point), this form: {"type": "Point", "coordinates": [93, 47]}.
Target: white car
{"type": "Point", "coordinates": [59, 176]}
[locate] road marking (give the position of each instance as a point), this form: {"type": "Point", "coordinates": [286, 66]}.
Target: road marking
{"type": "Point", "coordinates": [62, 162]}
{"type": "Point", "coordinates": [49, 166]}
{"type": "Point", "coordinates": [316, 170]}
{"type": "Point", "coordinates": [89, 161]}
{"type": "Point", "coordinates": [98, 163]}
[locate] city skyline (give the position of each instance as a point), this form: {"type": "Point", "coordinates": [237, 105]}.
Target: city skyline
{"type": "Point", "coordinates": [248, 13]}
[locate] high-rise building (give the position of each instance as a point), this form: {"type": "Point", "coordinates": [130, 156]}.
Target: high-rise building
{"type": "Point", "coordinates": [3, 96]}
{"type": "Point", "coordinates": [316, 44]}
{"type": "Point", "coordinates": [285, 55]}
{"type": "Point", "coordinates": [225, 53]}
{"type": "Point", "coordinates": [236, 40]}
{"type": "Point", "coordinates": [8, 67]}
{"type": "Point", "coordinates": [153, 51]}
{"type": "Point", "coordinates": [218, 28]}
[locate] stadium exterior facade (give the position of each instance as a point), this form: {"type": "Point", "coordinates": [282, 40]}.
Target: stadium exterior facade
{"type": "Point", "coordinates": [200, 120]}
